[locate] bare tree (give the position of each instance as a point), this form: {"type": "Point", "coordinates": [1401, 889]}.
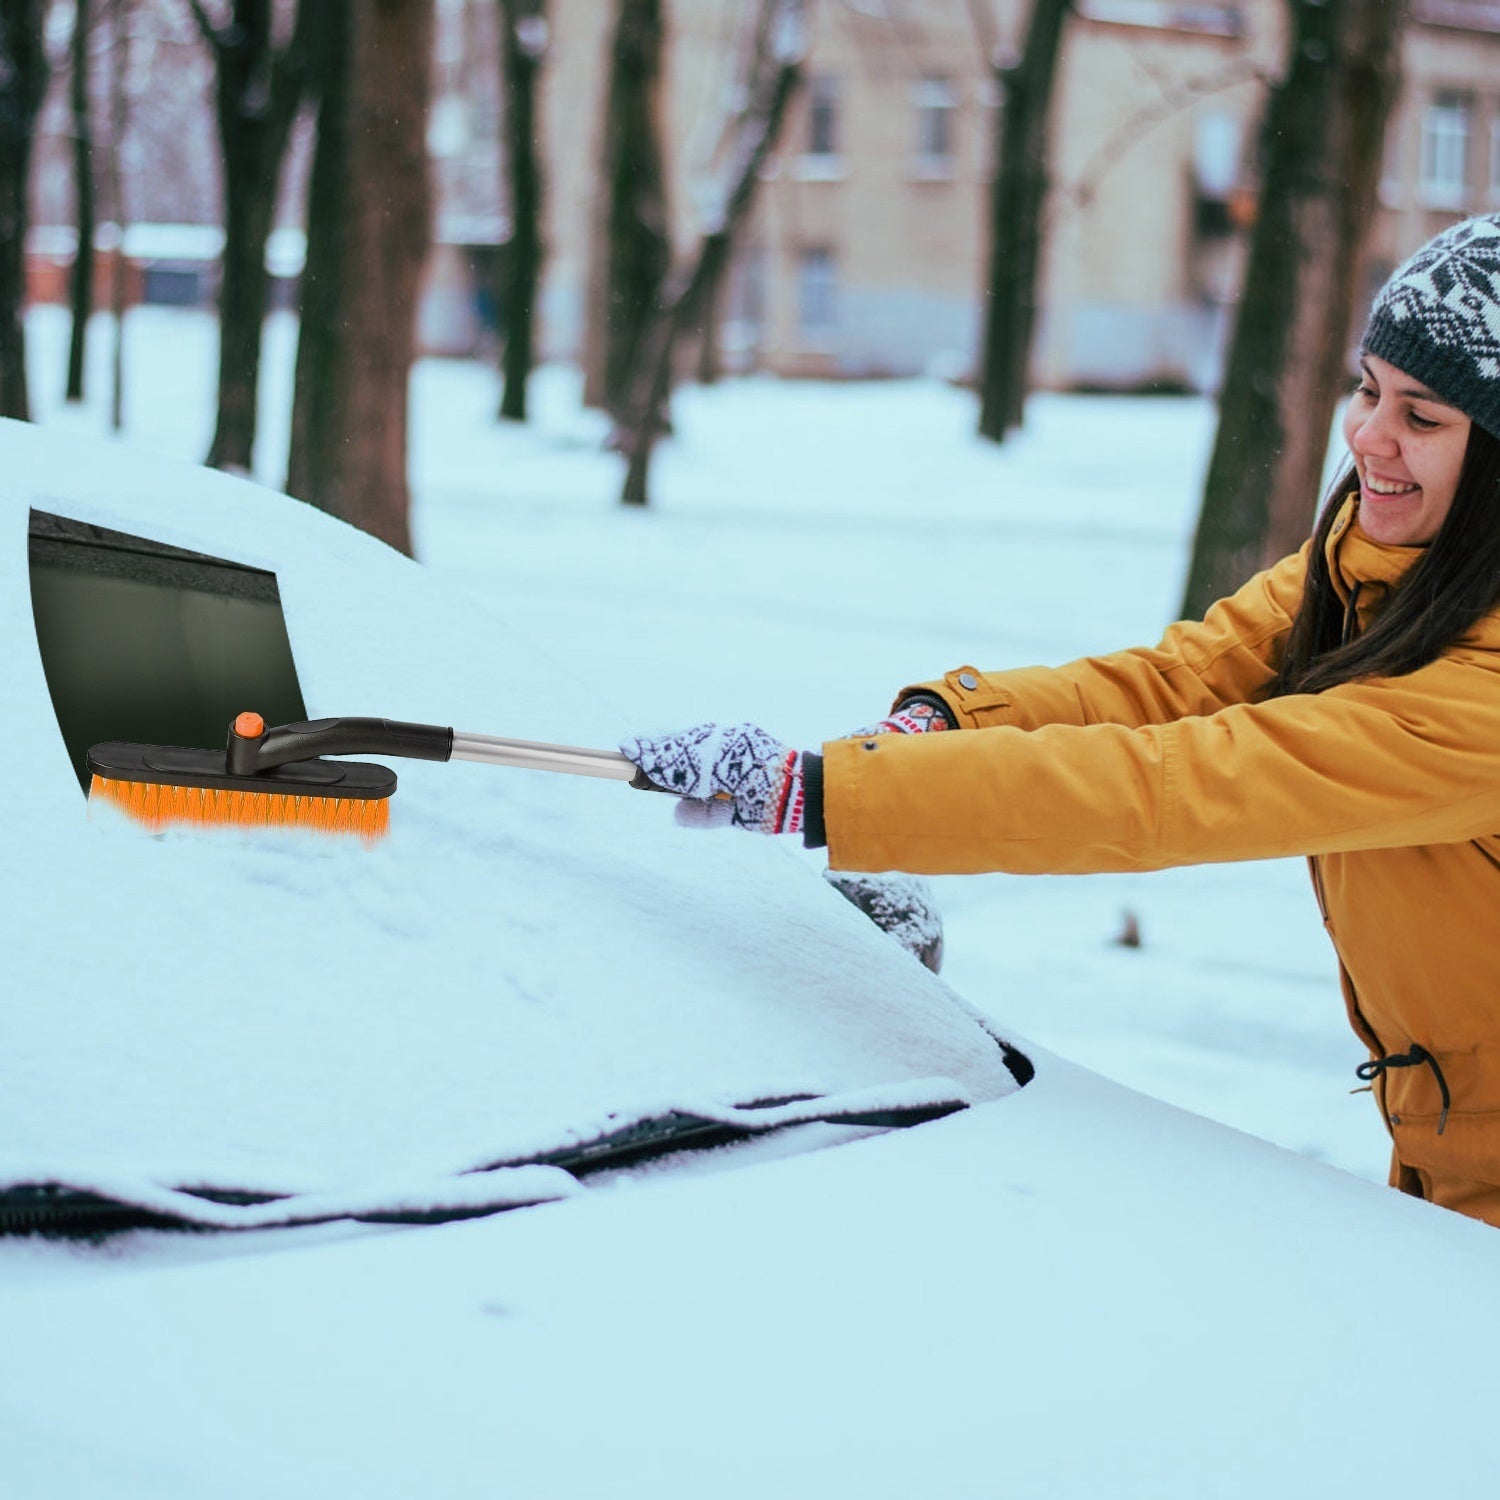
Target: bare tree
{"type": "Point", "coordinates": [81, 288]}
{"type": "Point", "coordinates": [1018, 198]}
{"type": "Point", "coordinates": [753, 64]}
{"type": "Point", "coordinates": [1322, 144]}
{"type": "Point", "coordinates": [632, 247]}
{"type": "Point", "coordinates": [120, 12]}
{"type": "Point", "coordinates": [23, 85]}
{"type": "Point", "coordinates": [259, 86]}
{"type": "Point", "coordinates": [756, 133]}
{"type": "Point", "coordinates": [523, 50]}
{"type": "Point", "coordinates": [368, 233]}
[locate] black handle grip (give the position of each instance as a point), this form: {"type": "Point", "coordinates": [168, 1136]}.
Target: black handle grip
{"type": "Point", "coordinates": [286, 743]}
{"type": "Point", "coordinates": [643, 783]}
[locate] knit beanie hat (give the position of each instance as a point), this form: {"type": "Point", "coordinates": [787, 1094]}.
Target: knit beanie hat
{"type": "Point", "coordinates": [1438, 319]}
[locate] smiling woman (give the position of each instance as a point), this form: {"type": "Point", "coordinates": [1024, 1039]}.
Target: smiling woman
{"type": "Point", "coordinates": [1343, 705]}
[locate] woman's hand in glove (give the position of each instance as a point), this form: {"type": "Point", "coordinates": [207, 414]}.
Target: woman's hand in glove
{"type": "Point", "coordinates": [736, 775]}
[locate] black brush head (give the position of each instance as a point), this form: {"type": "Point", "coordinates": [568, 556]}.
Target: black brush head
{"type": "Point", "coordinates": [171, 765]}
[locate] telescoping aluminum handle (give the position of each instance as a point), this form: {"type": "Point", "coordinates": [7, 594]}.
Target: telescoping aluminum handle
{"type": "Point", "coordinates": [529, 755]}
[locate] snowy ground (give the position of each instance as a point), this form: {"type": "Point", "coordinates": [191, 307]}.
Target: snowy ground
{"type": "Point", "coordinates": [811, 549]}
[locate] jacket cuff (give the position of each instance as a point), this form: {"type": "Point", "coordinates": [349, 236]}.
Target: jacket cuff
{"type": "Point", "coordinates": [814, 829]}
{"type": "Point", "coordinates": [969, 698]}
{"type": "Point", "coordinates": [932, 701]}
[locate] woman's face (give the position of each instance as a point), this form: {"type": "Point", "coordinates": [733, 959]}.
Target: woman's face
{"type": "Point", "coordinates": [1408, 447]}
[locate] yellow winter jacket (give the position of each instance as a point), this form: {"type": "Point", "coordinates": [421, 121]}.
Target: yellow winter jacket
{"type": "Point", "coordinates": [1173, 756]}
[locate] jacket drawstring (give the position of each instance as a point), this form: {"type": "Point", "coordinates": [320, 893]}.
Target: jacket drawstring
{"type": "Point", "coordinates": [1351, 616]}
{"type": "Point", "coordinates": [1370, 1071]}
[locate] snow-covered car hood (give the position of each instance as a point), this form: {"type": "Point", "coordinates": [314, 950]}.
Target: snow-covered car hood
{"type": "Point", "coordinates": [526, 960]}
{"type": "Point", "coordinates": [1076, 1292]}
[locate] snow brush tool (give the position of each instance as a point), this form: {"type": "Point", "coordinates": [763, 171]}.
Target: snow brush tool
{"type": "Point", "coordinates": [275, 777]}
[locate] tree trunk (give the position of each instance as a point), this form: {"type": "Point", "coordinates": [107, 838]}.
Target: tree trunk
{"type": "Point", "coordinates": [23, 84]}
{"type": "Point", "coordinates": [118, 112]}
{"type": "Point", "coordinates": [523, 50]}
{"type": "Point", "coordinates": [81, 282]}
{"type": "Point", "coordinates": [258, 91]}
{"type": "Point", "coordinates": [318, 410]}
{"type": "Point", "coordinates": [709, 353]}
{"type": "Point", "coordinates": [368, 235]}
{"type": "Point", "coordinates": [633, 249]}
{"type": "Point", "coordinates": [1322, 146]}
{"type": "Point", "coordinates": [758, 132]}
{"type": "Point", "coordinates": [1018, 198]}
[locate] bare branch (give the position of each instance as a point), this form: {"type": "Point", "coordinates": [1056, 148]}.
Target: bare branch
{"type": "Point", "coordinates": [755, 135]}
{"type": "Point", "coordinates": [294, 56]}
{"type": "Point", "coordinates": [1137, 126]}
{"type": "Point", "coordinates": [986, 38]}
{"type": "Point", "coordinates": [211, 33]}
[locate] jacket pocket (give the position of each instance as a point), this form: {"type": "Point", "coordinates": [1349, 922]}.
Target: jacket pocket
{"type": "Point", "coordinates": [1468, 1150]}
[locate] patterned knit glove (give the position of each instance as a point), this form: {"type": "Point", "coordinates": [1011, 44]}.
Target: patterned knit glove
{"type": "Point", "coordinates": [736, 775]}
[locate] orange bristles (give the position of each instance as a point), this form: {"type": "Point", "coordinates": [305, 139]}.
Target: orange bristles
{"type": "Point", "coordinates": [157, 807]}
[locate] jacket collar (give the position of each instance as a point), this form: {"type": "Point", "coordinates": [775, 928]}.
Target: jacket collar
{"type": "Point", "coordinates": [1356, 559]}
{"type": "Point", "coordinates": [1366, 571]}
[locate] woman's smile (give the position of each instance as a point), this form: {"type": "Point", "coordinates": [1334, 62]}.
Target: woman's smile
{"type": "Point", "coordinates": [1389, 509]}
{"type": "Point", "coordinates": [1391, 487]}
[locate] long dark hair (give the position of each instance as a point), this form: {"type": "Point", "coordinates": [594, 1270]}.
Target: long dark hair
{"type": "Point", "coordinates": [1454, 583]}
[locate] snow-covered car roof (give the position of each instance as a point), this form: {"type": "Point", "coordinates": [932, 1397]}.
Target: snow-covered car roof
{"type": "Point", "coordinates": [526, 962]}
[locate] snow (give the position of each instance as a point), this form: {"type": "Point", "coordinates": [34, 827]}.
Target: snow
{"type": "Point", "coordinates": [1074, 1290]}
{"type": "Point", "coordinates": [811, 549]}
{"type": "Point", "coordinates": [935, 1312]}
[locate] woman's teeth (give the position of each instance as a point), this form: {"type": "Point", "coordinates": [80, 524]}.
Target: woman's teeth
{"type": "Point", "coordinates": [1384, 487]}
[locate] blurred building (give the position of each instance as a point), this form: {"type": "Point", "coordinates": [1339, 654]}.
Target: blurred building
{"type": "Point", "coordinates": [867, 249]}
{"type": "Point", "coordinates": [865, 253]}
{"type": "Point", "coordinates": [1442, 157]}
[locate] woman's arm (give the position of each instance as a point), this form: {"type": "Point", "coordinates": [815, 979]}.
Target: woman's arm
{"type": "Point", "coordinates": [1378, 764]}
{"type": "Point", "coordinates": [1199, 667]}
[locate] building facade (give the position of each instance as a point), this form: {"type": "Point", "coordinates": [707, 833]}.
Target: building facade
{"type": "Point", "coordinates": [866, 252]}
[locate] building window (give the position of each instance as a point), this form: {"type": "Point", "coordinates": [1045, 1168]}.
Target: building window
{"type": "Point", "coordinates": [936, 104]}
{"type": "Point", "coordinates": [1445, 151]}
{"type": "Point", "coordinates": [823, 117]}
{"type": "Point", "coordinates": [817, 297]}
{"type": "Point", "coordinates": [1216, 172]}
{"type": "Point", "coordinates": [820, 160]}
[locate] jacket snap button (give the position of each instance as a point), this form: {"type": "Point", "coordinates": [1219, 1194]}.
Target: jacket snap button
{"type": "Point", "coordinates": [1395, 1119]}
{"type": "Point", "coordinates": [968, 680]}
{"type": "Point", "coordinates": [869, 745]}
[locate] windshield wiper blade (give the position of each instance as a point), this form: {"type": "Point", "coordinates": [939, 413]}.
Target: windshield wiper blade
{"type": "Point", "coordinates": [93, 1209]}
{"type": "Point", "coordinates": [708, 1127]}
